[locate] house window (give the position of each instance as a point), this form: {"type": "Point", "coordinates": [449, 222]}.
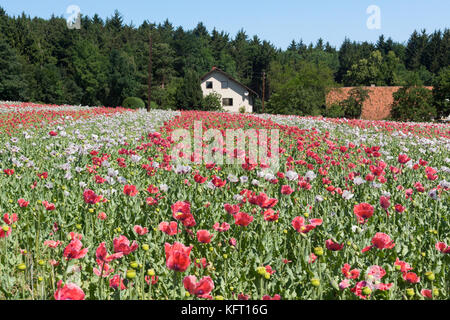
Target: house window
{"type": "Point", "coordinates": [224, 84]}
{"type": "Point", "coordinates": [209, 85]}
{"type": "Point", "coordinates": [227, 102]}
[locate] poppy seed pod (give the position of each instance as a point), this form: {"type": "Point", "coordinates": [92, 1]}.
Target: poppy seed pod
{"type": "Point", "coordinates": [315, 282]}
{"type": "Point", "coordinates": [131, 274]}
{"type": "Point", "coordinates": [410, 292]}
{"type": "Point", "coordinates": [430, 275]}
{"type": "Point", "coordinates": [318, 251]}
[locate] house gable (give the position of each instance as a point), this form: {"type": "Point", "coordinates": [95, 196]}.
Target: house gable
{"type": "Point", "coordinates": [234, 95]}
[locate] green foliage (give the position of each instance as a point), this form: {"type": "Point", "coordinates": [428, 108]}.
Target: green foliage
{"type": "Point", "coordinates": [189, 94]}
{"type": "Point", "coordinates": [106, 61]}
{"type": "Point", "coordinates": [12, 83]}
{"type": "Point", "coordinates": [133, 103]}
{"type": "Point", "coordinates": [212, 102]}
{"type": "Point", "coordinates": [441, 93]}
{"type": "Point", "coordinates": [413, 103]}
{"type": "Point", "coordinates": [352, 106]}
{"type": "Point", "coordinates": [334, 111]}
{"type": "Point", "coordinates": [242, 109]}
{"type": "Point", "coordinates": [301, 91]}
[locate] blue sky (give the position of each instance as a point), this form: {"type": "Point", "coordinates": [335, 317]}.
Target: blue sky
{"type": "Point", "coordinates": [276, 21]}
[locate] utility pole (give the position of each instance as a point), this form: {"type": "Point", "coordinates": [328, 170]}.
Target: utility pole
{"type": "Point", "coordinates": [150, 71]}
{"type": "Point", "coordinates": [263, 90]}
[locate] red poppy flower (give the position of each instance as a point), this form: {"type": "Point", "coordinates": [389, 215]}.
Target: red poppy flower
{"type": "Point", "coordinates": [177, 256]}
{"type": "Point", "coordinates": [411, 277]}
{"type": "Point", "coordinates": [231, 209]}
{"type": "Point", "coordinates": [384, 202]}
{"type": "Point", "coordinates": [242, 219]}
{"type": "Point", "coordinates": [116, 282]}
{"type": "Point", "coordinates": [287, 190]}
{"type": "Point", "coordinates": [333, 246]}
{"type": "Point", "coordinates": [102, 254]}
{"type": "Point", "coordinates": [399, 208]}
{"type": "Point", "coordinates": [48, 206]}
{"type": "Point", "coordinates": [74, 249]}
{"type": "Point", "coordinates": [403, 158]}
{"type": "Point", "coordinates": [153, 280]}
{"type": "Point", "coordinates": [122, 244]}
{"type": "Point", "coordinates": [442, 247]}
{"type": "Point", "coordinates": [22, 203]}
{"type": "Point", "coordinates": [204, 236]}
{"type": "Point", "coordinates": [271, 215]}
{"type": "Point", "coordinates": [275, 297]}
{"type": "Point", "coordinates": [90, 197]}
{"type": "Point", "coordinates": [221, 227]}
{"type": "Point", "coordinates": [140, 230]}
{"type": "Point", "coordinates": [300, 226]}
{"type": "Point", "coordinates": [363, 211]}
{"type": "Point", "coordinates": [312, 258]}
{"type": "Point", "coordinates": [426, 293]}
{"type": "Point", "coordinates": [404, 267]}
{"type": "Point", "coordinates": [380, 241]}
{"type": "Point", "coordinates": [181, 210]}
{"type": "Point", "coordinates": [130, 190]}
{"type": "Point", "coordinates": [151, 201]}
{"type": "Point", "coordinates": [169, 228]}
{"type": "Point", "coordinates": [70, 291]}
{"type": "Point", "coordinates": [350, 274]}
{"type": "Point", "coordinates": [10, 219]}
{"type": "Point", "coordinates": [201, 289]}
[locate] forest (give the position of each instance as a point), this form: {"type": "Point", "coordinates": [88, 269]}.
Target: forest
{"type": "Point", "coordinates": [106, 61]}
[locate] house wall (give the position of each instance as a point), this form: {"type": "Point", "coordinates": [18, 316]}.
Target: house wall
{"type": "Point", "coordinates": [234, 91]}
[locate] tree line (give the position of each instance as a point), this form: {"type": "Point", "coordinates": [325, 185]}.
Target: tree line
{"type": "Point", "coordinates": [106, 61]}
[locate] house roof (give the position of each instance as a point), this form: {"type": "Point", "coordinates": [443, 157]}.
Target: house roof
{"type": "Point", "coordinates": [376, 107]}
{"type": "Point", "coordinates": [215, 69]}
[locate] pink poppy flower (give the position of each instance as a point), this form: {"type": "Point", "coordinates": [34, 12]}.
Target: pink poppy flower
{"type": "Point", "coordinates": [122, 244]}
{"type": "Point", "coordinates": [70, 291]}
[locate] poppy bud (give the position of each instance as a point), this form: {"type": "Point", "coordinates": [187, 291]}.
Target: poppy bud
{"type": "Point", "coordinates": [261, 270]}
{"type": "Point", "coordinates": [436, 292]}
{"type": "Point", "coordinates": [151, 272]}
{"type": "Point", "coordinates": [5, 228]}
{"type": "Point", "coordinates": [315, 282]}
{"type": "Point", "coordinates": [306, 214]}
{"type": "Point", "coordinates": [267, 275]}
{"type": "Point", "coordinates": [398, 267]}
{"type": "Point", "coordinates": [78, 226]}
{"type": "Point", "coordinates": [41, 262]}
{"type": "Point", "coordinates": [410, 292]}
{"type": "Point", "coordinates": [40, 279]}
{"type": "Point", "coordinates": [21, 267]}
{"type": "Point", "coordinates": [187, 294]}
{"type": "Point", "coordinates": [318, 251]}
{"type": "Point", "coordinates": [225, 256]}
{"type": "Point", "coordinates": [218, 298]}
{"type": "Point", "coordinates": [366, 291]}
{"type": "Point", "coordinates": [145, 247]}
{"type": "Point", "coordinates": [430, 275]}
{"type": "Point", "coordinates": [134, 265]}
{"type": "Point", "coordinates": [131, 274]}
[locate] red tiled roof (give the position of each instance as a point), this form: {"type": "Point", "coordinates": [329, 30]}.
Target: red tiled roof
{"type": "Point", "coordinates": [376, 107]}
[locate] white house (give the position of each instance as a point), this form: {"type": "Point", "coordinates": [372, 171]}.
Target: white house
{"type": "Point", "coordinates": [234, 95]}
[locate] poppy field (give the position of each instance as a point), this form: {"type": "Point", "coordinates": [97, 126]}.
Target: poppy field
{"type": "Point", "coordinates": [94, 206]}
